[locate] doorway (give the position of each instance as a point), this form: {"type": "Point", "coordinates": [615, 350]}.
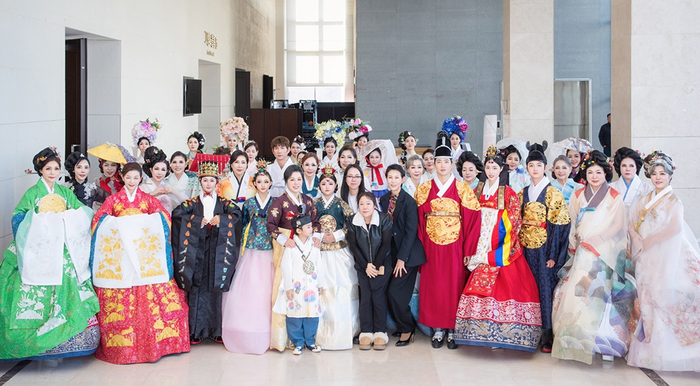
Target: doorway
{"type": "Point", "coordinates": [210, 118]}
{"type": "Point", "coordinates": [76, 96]}
{"type": "Point", "coordinates": [243, 94]}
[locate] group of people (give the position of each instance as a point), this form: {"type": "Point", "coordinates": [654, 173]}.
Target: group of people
{"type": "Point", "coordinates": [327, 251]}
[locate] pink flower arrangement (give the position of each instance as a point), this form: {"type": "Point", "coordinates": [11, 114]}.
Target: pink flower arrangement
{"type": "Point", "coordinates": [148, 129]}
{"type": "Point", "coordinates": [355, 127]}
{"type": "Point", "coordinates": [235, 126]}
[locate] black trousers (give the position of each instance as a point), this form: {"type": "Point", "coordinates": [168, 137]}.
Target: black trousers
{"type": "Point", "coordinates": [399, 296]}
{"type": "Point", "coordinates": [373, 306]}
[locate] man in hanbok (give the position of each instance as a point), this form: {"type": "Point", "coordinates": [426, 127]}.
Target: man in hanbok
{"type": "Point", "coordinates": [449, 226]}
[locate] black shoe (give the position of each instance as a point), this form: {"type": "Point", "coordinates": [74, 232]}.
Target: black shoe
{"type": "Point", "coordinates": [402, 343]}
{"type": "Point", "coordinates": [546, 347]}
{"type": "Point", "coordinates": [396, 334]}
{"type": "Point", "coordinates": [437, 343]}
{"type": "Point", "coordinates": [356, 340]}
{"type": "Point", "coordinates": [452, 345]}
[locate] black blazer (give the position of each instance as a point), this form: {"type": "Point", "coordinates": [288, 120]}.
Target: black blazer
{"type": "Point", "coordinates": [406, 245]}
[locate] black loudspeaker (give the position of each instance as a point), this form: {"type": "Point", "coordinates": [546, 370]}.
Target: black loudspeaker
{"type": "Point", "coordinates": [268, 92]}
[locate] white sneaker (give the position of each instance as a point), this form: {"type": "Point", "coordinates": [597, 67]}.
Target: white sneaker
{"type": "Point", "coordinates": [297, 350]}
{"type": "Point", "coordinates": [314, 348]}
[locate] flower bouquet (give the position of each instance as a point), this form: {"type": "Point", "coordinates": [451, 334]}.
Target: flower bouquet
{"type": "Point", "coordinates": [356, 127]}
{"type": "Point", "coordinates": [330, 128]}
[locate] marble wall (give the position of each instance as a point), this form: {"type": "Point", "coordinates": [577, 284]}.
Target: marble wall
{"type": "Point", "coordinates": [656, 86]}
{"type": "Point", "coordinates": [139, 52]}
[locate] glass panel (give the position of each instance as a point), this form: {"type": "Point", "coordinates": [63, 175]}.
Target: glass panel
{"type": "Point", "coordinates": [334, 10]}
{"type": "Point", "coordinates": [330, 94]}
{"type": "Point", "coordinates": [307, 68]}
{"type": "Point", "coordinates": [295, 94]}
{"type": "Point", "coordinates": [306, 38]}
{"type": "Point", "coordinates": [333, 69]}
{"type": "Point", "coordinates": [306, 10]}
{"type": "Point", "coordinates": [333, 37]}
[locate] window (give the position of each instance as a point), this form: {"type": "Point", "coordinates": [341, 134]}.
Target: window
{"type": "Point", "coordinates": [316, 50]}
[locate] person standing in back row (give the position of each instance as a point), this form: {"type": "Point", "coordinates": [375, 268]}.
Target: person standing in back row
{"type": "Point", "coordinates": [604, 137]}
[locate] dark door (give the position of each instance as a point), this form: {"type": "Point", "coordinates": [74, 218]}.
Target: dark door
{"type": "Point", "coordinates": [76, 96]}
{"type": "Point", "coordinates": [242, 94]}
{"type": "Point", "coordinates": [268, 91]}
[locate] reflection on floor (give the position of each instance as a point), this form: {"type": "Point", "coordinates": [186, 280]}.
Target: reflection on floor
{"type": "Point", "coordinates": [417, 364]}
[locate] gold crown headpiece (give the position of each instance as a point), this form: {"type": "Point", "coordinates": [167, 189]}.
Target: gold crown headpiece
{"type": "Point", "coordinates": [208, 169]}
{"type": "Point", "coordinates": [327, 171]}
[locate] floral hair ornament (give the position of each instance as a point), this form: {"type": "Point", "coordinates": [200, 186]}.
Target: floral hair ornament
{"type": "Point", "coordinates": [356, 127]}
{"type": "Point", "coordinates": [332, 129]}
{"type": "Point", "coordinates": [658, 158]}
{"type": "Point", "coordinates": [300, 140]}
{"type": "Point", "coordinates": [455, 125]}
{"type": "Point", "coordinates": [146, 129]}
{"type": "Point", "coordinates": [235, 126]}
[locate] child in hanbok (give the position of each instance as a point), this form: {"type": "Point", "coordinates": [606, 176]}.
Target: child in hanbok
{"type": "Point", "coordinates": [593, 300]}
{"type": "Point", "coordinates": [300, 290]}
{"type": "Point", "coordinates": [246, 307]}
{"type": "Point", "coordinates": [206, 241]}
{"type": "Point", "coordinates": [340, 321]}
{"type": "Point", "coordinates": [375, 173]}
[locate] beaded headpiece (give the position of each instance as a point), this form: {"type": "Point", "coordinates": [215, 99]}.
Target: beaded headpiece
{"type": "Point", "coordinates": [658, 157]}
{"type": "Point", "coordinates": [261, 168]}
{"type": "Point", "coordinates": [208, 169]}
{"type": "Point", "coordinates": [493, 154]}
{"type": "Point", "coordinates": [327, 172]}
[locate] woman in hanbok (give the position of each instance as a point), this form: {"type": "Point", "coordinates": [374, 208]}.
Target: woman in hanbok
{"type": "Point", "coordinates": [110, 181]}
{"type": "Point", "coordinates": [143, 314]}
{"type": "Point", "coordinates": [247, 312]}
{"type": "Point", "coordinates": [415, 168]}
{"type": "Point", "coordinates": [295, 148]}
{"type": "Point", "coordinates": [353, 185]}
{"type": "Point", "coordinates": [544, 234]}
{"type": "Point", "coordinates": [237, 187]}
{"type": "Point", "coordinates": [329, 153]}
{"type": "Point", "coordinates": [183, 184]}
{"type": "Point", "coordinates": [500, 278]}
{"type": "Point", "coordinates": [157, 168]}
{"type": "Point", "coordinates": [252, 149]}
{"type": "Point", "coordinates": [195, 144]}
{"type": "Point", "coordinates": [561, 177]}
{"type": "Point", "coordinates": [628, 164]}
{"type": "Point", "coordinates": [142, 144]}
{"type": "Point", "coordinates": [47, 303]}
{"type": "Point", "coordinates": [517, 176]}
{"type": "Point", "coordinates": [667, 270]}
{"type": "Point", "coordinates": [206, 240]}
{"type": "Point", "coordinates": [78, 168]}
{"type": "Point", "coordinates": [593, 300]}
{"type": "Point", "coordinates": [407, 143]}
{"type": "Point", "coordinates": [575, 157]}
{"type": "Point", "coordinates": [471, 169]}
{"type": "Point", "coordinates": [429, 159]}
{"type": "Point", "coordinates": [340, 321]}
{"type": "Point", "coordinates": [309, 163]}
{"type": "Point", "coordinates": [282, 211]}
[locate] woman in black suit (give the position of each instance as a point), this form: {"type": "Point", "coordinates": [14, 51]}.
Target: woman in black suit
{"type": "Point", "coordinates": [406, 251]}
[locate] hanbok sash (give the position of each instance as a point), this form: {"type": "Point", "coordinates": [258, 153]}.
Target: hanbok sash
{"type": "Point", "coordinates": [41, 238]}
{"type": "Point", "coordinates": [130, 251]}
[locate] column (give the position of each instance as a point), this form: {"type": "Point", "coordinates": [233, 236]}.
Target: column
{"type": "Point", "coordinates": [528, 69]}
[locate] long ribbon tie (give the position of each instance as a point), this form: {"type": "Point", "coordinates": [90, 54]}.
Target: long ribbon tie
{"type": "Point", "coordinates": [377, 174]}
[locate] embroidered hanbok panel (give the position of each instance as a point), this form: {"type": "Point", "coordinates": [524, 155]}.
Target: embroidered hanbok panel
{"type": "Point", "coordinates": [499, 306]}
{"type": "Point", "coordinates": [569, 187]}
{"type": "Point", "coordinates": [48, 318]}
{"type": "Point", "coordinates": [231, 189]}
{"type": "Point", "coordinates": [667, 271]}
{"type": "Point", "coordinates": [545, 236]}
{"type": "Point", "coordinates": [593, 300]}
{"type": "Point", "coordinates": [143, 322]}
{"type": "Point", "coordinates": [449, 226]}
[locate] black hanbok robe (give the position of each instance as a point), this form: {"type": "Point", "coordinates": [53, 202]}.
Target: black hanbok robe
{"type": "Point", "coordinates": [205, 259]}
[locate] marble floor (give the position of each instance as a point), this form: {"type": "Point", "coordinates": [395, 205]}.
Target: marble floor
{"type": "Point", "coordinates": [417, 364]}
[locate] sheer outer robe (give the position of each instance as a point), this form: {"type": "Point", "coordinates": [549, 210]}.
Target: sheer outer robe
{"type": "Point", "coordinates": [141, 323]}
{"type": "Point", "coordinates": [190, 243]}
{"type": "Point", "coordinates": [19, 337]}
{"type": "Point", "coordinates": [547, 241]}
{"type": "Point", "coordinates": [447, 240]}
{"type": "Point", "coordinates": [593, 300]}
{"type": "Point", "coordinates": [279, 221]}
{"type": "Point", "coordinates": [499, 306]}
{"type": "Point", "coordinates": [667, 272]}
